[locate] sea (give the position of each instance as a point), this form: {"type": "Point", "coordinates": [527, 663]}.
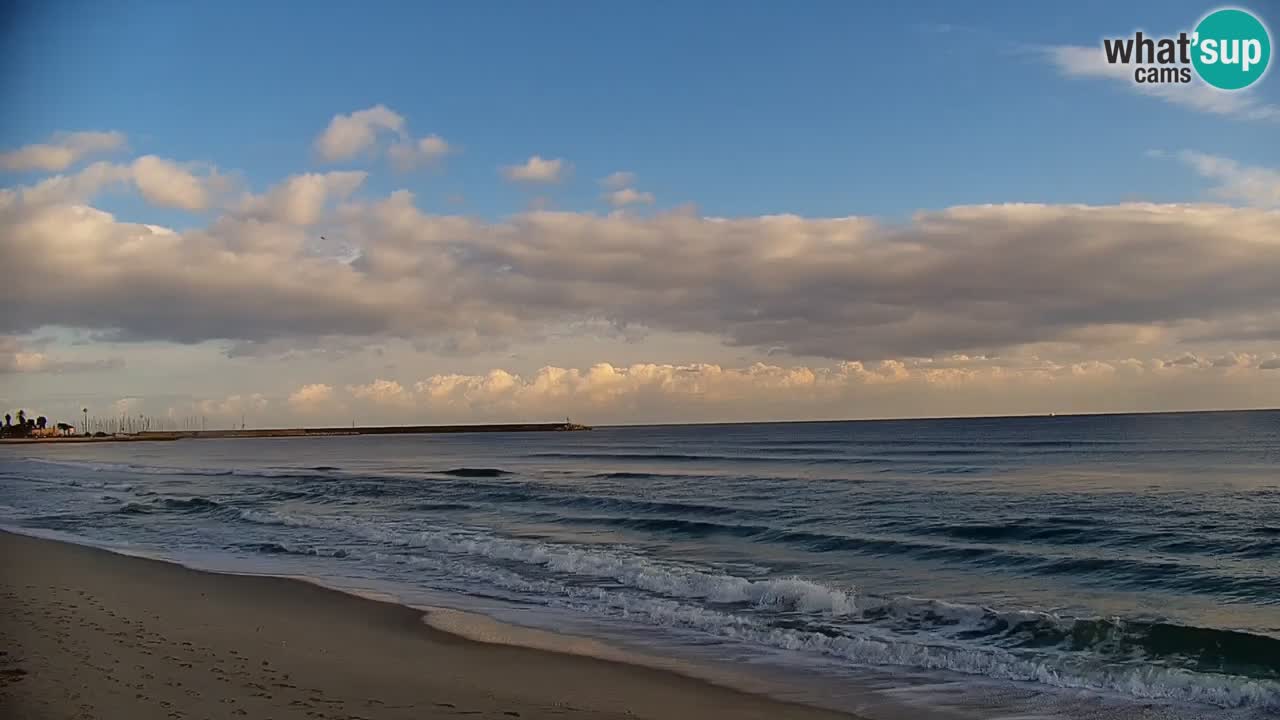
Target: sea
{"type": "Point", "coordinates": [1110, 566]}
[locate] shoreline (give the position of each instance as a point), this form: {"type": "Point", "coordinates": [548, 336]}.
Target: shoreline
{"type": "Point", "coordinates": [170, 435]}
{"type": "Point", "coordinates": [151, 638]}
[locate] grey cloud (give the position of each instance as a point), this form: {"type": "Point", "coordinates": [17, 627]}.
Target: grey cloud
{"type": "Point", "coordinates": [19, 357]}
{"type": "Point", "coordinates": [1272, 364]}
{"type": "Point", "coordinates": [963, 280]}
{"type": "Point", "coordinates": [1229, 360]}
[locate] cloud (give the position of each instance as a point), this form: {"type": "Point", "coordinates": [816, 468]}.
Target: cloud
{"type": "Point", "coordinates": [644, 392]}
{"type": "Point", "coordinates": [14, 358]}
{"type": "Point", "coordinates": [62, 151]}
{"type": "Point", "coordinates": [1272, 364]}
{"type": "Point", "coordinates": [628, 196]}
{"type": "Point", "coordinates": [381, 392]}
{"type": "Point", "coordinates": [618, 180]}
{"type": "Point", "coordinates": [537, 170]}
{"type": "Point", "coordinates": [1090, 62]}
{"type": "Point", "coordinates": [1185, 360]}
{"type": "Point", "coordinates": [424, 151]}
{"type": "Point", "coordinates": [232, 406]}
{"type": "Point", "coordinates": [65, 189]}
{"type": "Point", "coordinates": [313, 398]}
{"type": "Point", "coordinates": [169, 184]}
{"type": "Point", "coordinates": [126, 406]}
{"type": "Point", "coordinates": [350, 135]}
{"type": "Point", "coordinates": [301, 199]}
{"type": "Point", "coordinates": [161, 182]}
{"type": "Point", "coordinates": [1231, 360]}
{"type": "Point", "coordinates": [964, 279]}
{"type": "Point", "coordinates": [620, 190]}
{"type": "Point", "coordinates": [1255, 186]}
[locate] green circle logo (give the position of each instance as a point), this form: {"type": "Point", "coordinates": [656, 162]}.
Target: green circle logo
{"type": "Point", "coordinates": [1232, 49]}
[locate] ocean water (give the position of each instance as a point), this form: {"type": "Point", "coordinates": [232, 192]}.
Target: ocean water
{"type": "Point", "coordinates": [1104, 566]}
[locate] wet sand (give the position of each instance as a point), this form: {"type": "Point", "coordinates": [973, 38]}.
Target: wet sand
{"type": "Point", "coordinates": [90, 634]}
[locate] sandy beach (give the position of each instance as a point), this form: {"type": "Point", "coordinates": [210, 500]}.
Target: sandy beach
{"type": "Point", "coordinates": [91, 634]}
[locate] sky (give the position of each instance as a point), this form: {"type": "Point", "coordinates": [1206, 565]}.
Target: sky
{"type": "Point", "coordinates": [659, 212]}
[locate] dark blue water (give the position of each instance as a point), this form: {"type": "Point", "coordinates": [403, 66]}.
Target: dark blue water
{"type": "Point", "coordinates": [1135, 558]}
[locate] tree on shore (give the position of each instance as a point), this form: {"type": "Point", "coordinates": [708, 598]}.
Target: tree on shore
{"type": "Point", "coordinates": [8, 420]}
{"type": "Point", "coordinates": [41, 422]}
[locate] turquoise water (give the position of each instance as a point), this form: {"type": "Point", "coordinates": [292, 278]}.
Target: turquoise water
{"type": "Point", "coordinates": [1078, 566]}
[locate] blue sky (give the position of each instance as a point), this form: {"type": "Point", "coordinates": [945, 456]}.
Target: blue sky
{"type": "Point", "coordinates": [920, 127]}
{"type": "Point", "coordinates": [742, 108]}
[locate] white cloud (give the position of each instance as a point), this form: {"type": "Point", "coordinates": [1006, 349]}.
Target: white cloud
{"type": "Point", "coordinates": [62, 151]}
{"type": "Point", "coordinates": [381, 392]}
{"type": "Point", "coordinates": [315, 397]}
{"type": "Point", "coordinates": [1255, 186]}
{"type": "Point", "coordinates": [350, 135]}
{"type": "Point", "coordinates": [537, 170]}
{"type": "Point", "coordinates": [620, 190]}
{"type": "Point", "coordinates": [618, 180]}
{"type": "Point", "coordinates": [169, 184]}
{"type": "Point", "coordinates": [629, 196]}
{"type": "Point", "coordinates": [1080, 61]}
{"type": "Point", "coordinates": [232, 406]}
{"type": "Point", "coordinates": [301, 199]}
{"type": "Point", "coordinates": [423, 151]}
{"type": "Point", "coordinates": [66, 189]}
{"type": "Point", "coordinates": [643, 392]}
{"type": "Point", "coordinates": [160, 181]}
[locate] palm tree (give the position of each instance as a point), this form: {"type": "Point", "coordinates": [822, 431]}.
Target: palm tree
{"type": "Point", "coordinates": [8, 420]}
{"type": "Point", "coordinates": [22, 418]}
{"type": "Point", "coordinates": [41, 422]}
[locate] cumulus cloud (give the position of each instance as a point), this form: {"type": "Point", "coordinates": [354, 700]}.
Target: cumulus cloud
{"type": "Point", "coordinates": [161, 182]}
{"type": "Point", "coordinates": [965, 279]}
{"type": "Point", "coordinates": [79, 187]}
{"type": "Point", "coordinates": [312, 398]}
{"type": "Point", "coordinates": [301, 199]}
{"type": "Point", "coordinates": [423, 151]}
{"type": "Point", "coordinates": [231, 406]}
{"type": "Point", "coordinates": [1231, 360]}
{"type": "Point", "coordinates": [537, 170]}
{"type": "Point", "coordinates": [350, 135]}
{"type": "Point", "coordinates": [381, 392]}
{"type": "Point", "coordinates": [618, 180]}
{"type": "Point", "coordinates": [620, 190]}
{"type": "Point", "coordinates": [169, 184]}
{"type": "Point", "coordinates": [628, 196]}
{"type": "Point", "coordinates": [1090, 62]}
{"type": "Point", "coordinates": [1272, 364]}
{"type": "Point", "coordinates": [1255, 186]}
{"type": "Point", "coordinates": [706, 391]}
{"type": "Point", "coordinates": [61, 151]}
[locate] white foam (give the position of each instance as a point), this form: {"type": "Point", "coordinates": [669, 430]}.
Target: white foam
{"type": "Point", "coordinates": [629, 569]}
{"type": "Point", "coordinates": [872, 647]}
